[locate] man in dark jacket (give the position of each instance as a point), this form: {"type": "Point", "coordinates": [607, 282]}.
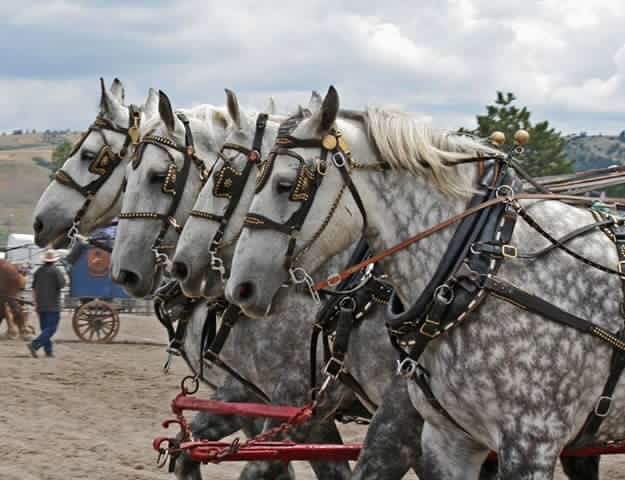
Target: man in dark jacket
{"type": "Point", "coordinates": [47, 284]}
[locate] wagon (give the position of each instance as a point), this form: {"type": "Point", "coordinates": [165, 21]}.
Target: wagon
{"type": "Point", "coordinates": [93, 296]}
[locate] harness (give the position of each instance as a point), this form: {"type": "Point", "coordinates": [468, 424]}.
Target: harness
{"type": "Point", "coordinates": [468, 272]}
{"type": "Point", "coordinates": [342, 313]}
{"type": "Point", "coordinates": [229, 183]}
{"type": "Point", "coordinates": [173, 182]}
{"type": "Point", "coordinates": [104, 163]}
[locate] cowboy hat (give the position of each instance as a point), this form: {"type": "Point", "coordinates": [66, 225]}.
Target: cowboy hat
{"type": "Point", "coordinates": [50, 256]}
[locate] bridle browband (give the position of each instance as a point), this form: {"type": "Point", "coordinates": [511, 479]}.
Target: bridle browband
{"type": "Point", "coordinates": [306, 186]}
{"type": "Point", "coordinates": [229, 183]}
{"type": "Point", "coordinates": [173, 183]}
{"type": "Point", "coordinates": [104, 163]}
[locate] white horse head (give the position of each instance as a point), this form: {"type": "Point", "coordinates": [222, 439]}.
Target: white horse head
{"type": "Point", "coordinates": [94, 169]}
{"type": "Point", "coordinates": [163, 181]}
{"type": "Point", "coordinates": [222, 204]}
{"type": "Point", "coordinates": [316, 211]}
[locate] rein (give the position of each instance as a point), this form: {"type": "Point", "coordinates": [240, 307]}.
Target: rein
{"type": "Point", "coordinates": [334, 279]}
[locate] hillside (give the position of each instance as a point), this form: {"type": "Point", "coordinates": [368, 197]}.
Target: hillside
{"type": "Point", "coordinates": [595, 151]}
{"type": "Point", "coordinates": [21, 180]}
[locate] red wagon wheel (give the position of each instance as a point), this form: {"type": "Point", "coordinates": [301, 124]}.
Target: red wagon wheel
{"type": "Point", "coordinates": [96, 321]}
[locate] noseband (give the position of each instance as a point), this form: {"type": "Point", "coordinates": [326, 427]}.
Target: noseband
{"type": "Point", "coordinates": [104, 163]}
{"type": "Point", "coordinates": [229, 183]}
{"type": "Point", "coordinates": [173, 183]}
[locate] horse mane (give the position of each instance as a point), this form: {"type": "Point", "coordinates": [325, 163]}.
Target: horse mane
{"type": "Point", "coordinates": [409, 145]}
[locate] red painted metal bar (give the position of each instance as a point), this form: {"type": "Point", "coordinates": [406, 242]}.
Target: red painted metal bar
{"type": "Point", "coordinates": [205, 451]}
{"type": "Point", "coordinates": [279, 412]}
{"type": "Point", "coordinates": [283, 451]}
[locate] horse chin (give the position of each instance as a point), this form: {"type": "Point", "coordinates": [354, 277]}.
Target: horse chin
{"type": "Point", "coordinates": [256, 311]}
{"type": "Point", "coordinates": [212, 287]}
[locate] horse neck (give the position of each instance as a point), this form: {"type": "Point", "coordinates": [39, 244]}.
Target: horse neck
{"type": "Point", "coordinates": [400, 205]}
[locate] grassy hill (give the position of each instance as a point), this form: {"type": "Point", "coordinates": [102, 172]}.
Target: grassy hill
{"type": "Point", "coordinates": [21, 180]}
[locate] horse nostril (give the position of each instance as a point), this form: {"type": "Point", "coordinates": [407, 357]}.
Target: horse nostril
{"type": "Point", "coordinates": [128, 278]}
{"type": "Point", "coordinates": [245, 291]}
{"type": "Point", "coordinates": [38, 225]}
{"type": "Point", "coordinates": [179, 270]}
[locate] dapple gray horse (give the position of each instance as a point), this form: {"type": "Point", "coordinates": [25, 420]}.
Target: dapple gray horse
{"type": "Point", "coordinates": [57, 209]}
{"type": "Point", "coordinates": [519, 384]}
{"type": "Point", "coordinates": [139, 272]}
{"type": "Point", "coordinates": [266, 344]}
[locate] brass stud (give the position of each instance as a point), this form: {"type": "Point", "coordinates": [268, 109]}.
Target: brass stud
{"type": "Point", "coordinates": [329, 142]}
{"type": "Point", "coordinates": [498, 138]}
{"type": "Point", "coordinates": [521, 137]}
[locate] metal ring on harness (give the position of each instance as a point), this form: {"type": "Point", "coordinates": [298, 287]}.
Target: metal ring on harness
{"type": "Point", "coordinates": [339, 159]}
{"type": "Point", "coordinates": [195, 385]}
{"type": "Point", "coordinates": [504, 191]}
{"type": "Point", "coordinates": [445, 293]}
{"type": "Point", "coordinates": [348, 303]}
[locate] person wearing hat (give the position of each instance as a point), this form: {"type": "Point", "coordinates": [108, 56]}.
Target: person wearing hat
{"type": "Point", "coordinates": [47, 284]}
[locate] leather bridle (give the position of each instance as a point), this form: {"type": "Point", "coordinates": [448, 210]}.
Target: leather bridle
{"type": "Point", "coordinates": [229, 183]}
{"type": "Point", "coordinates": [104, 163]}
{"type": "Point", "coordinates": [308, 181]}
{"type": "Point", "coordinates": [173, 182]}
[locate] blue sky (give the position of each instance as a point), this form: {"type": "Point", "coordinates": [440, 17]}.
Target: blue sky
{"type": "Point", "coordinates": [442, 60]}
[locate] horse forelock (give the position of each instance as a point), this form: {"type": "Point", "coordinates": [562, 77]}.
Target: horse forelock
{"type": "Point", "coordinates": [406, 144]}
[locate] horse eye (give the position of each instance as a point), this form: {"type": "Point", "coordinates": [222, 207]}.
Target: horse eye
{"type": "Point", "coordinates": [87, 155]}
{"type": "Point", "coordinates": [284, 186]}
{"type": "Point", "coordinates": [157, 177]}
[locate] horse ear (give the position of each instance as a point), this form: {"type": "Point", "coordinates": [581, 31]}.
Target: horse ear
{"type": "Point", "coordinates": [166, 112]}
{"type": "Point", "coordinates": [117, 90]}
{"type": "Point", "coordinates": [150, 108]}
{"type": "Point", "coordinates": [326, 116]}
{"type": "Point", "coordinates": [233, 107]}
{"type": "Point", "coordinates": [234, 111]}
{"type": "Point", "coordinates": [271, 107]}
{"type": "Point", "coordinates": [314, 105]}
{"type": "Point", "coordinates": [109, 105]}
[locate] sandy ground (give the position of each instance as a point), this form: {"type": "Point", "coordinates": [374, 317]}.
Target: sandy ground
{"type": "Point", "coordinates": [92, 412]}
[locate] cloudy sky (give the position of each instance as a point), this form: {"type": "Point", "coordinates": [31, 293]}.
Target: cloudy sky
{"type": "Point", "coordinates": [443, 60]}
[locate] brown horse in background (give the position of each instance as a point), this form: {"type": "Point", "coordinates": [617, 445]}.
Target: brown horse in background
{"type": "Point", "coordinates": [12, 282]}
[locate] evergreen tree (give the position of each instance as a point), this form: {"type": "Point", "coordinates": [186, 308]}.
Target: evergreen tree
{"type": "Point", "coordinates": [59, 155]}
{"type": "Point", "coordinates": [544, 154]}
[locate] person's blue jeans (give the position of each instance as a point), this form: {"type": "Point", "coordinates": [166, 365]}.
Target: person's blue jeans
{"type": "Point", "coordinates": [49, 323]}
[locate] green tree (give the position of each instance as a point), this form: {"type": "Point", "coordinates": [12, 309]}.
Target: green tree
{"type": "Point", "coordinates": [544, 154]}
{"type": "Point", "coordinates": [59, 155]}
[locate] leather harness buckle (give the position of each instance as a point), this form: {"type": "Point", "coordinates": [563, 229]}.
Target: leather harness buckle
{"type": "Point", "coordinates": [509, 251]}
{"type": "Point", "coordinates": [621, 266]}
{"type": "Point", "coordinates": [430, 328]}
{"type": "Point", "coordinates": [333, 368]}
{"type": "Point", "coordinates": [603, 408]}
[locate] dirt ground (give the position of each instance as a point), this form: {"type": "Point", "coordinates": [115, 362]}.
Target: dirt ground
{"type": "Point", "coordinates": [91, 412]}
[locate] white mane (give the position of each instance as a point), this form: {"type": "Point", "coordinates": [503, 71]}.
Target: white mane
{"type": "Point", "coordinates": [406, 144]}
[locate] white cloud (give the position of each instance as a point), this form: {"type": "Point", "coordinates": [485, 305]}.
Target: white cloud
{"type": "Point", "coordinates": [445, 60]}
